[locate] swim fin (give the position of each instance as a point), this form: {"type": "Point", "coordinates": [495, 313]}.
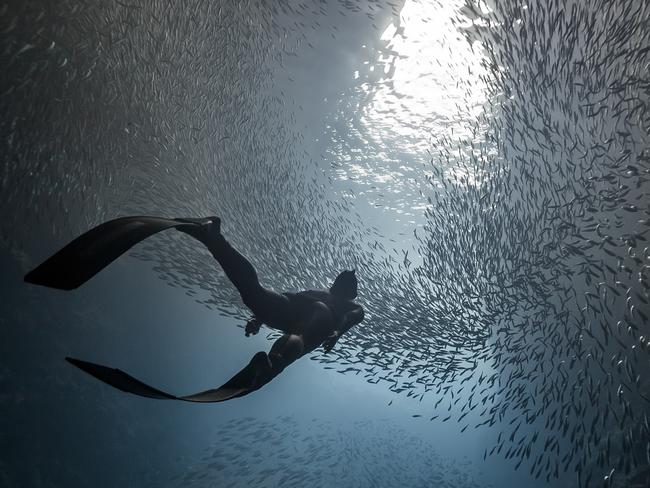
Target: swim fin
{"type": "Point", "coordinates": [120, 380]}
{"type": "Point", "coordinates": [91, 252]}
{"type": "Point", "coordinates": [249, 379]}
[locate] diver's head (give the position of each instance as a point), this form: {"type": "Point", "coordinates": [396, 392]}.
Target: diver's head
{"type": "Point", "coordinates": [345, 285]}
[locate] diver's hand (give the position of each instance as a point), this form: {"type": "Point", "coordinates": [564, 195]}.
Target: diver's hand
{"type": "Point", "coordinates": [253, 326]}
{"type": "Point", "coordinates": [329, 342]}
{"type": "Point", "coordinates": [353, 317]}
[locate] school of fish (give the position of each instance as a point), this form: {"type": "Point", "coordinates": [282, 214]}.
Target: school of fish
{"type": "Point", "coordinates": [519, 303]}
{"type": "Point", "coordinates": [320, 453]}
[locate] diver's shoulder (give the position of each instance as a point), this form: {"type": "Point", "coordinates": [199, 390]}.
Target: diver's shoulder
{"type": "Point", "coordinates": [326, 297]}
{"type": "Point", "coordinates": [316, 294]}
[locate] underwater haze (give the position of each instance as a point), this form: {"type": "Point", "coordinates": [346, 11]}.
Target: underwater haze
{"type": "Point", "coordinates": [483, 165]}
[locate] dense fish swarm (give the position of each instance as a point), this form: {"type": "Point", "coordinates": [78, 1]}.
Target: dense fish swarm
{"type": "Point", "coordinates": [545, 232]}
{"type": "Point", "coordinates": [287, 452]}
{"type": "Point", "coordinates": [522, 303]}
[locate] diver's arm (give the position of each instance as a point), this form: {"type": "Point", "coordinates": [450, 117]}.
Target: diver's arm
{"type": "Point", "coordinates": [350, 318]}
{"type": "Point", "coordinates": [330, 341]}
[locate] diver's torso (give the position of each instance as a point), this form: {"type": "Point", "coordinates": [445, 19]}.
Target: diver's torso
{"type": "Point", "coordinates": [302, 304]}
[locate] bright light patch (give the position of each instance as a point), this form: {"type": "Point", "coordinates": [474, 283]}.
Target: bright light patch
{"type": "Point", "coordinates": [421, 82]}
{"type": "Point", "coordinates": [431, 78]}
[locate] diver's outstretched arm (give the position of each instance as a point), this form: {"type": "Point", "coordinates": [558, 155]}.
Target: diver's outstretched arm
{"type": "Point", "coordinates": [331, 341]}
{"type": "Point", "coordinates": [350, 319]}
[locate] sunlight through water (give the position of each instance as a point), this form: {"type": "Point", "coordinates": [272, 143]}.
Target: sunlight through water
{"type": "Point", "coordinates": [422, 81]}
{"type": "Point", "coordinates": [430, 78]}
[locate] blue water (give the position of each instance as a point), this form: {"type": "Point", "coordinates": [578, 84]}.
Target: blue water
{"type": "Point", "coordinates": [65, 428]}
{"type": "Point", "coordinates": [482, 165]}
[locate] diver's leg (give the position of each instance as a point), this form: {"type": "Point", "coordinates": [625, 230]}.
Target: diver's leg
{"type": "Point", "coordinates": [237, 268]}
{"type": "Point", "coordinates": [285, 351]}
{"type": "Point", "coordinates": [265, 367]}
{"type": "Point", "coordinates": [268, 306]}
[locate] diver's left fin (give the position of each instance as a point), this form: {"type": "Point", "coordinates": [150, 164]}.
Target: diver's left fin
{"type": "Point", "coordinates": [92, 251]}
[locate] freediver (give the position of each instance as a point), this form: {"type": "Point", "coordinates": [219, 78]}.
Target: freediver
{"type": "Point", "coordinates": [308, 319]}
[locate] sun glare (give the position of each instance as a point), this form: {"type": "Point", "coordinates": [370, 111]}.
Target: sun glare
{"type": "Point", "coordinates": [431, 78]}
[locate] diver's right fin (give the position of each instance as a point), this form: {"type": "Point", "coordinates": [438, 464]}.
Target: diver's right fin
{"type": "Point", "coordinates": [120, 380]}
{"type": "Point", "coordinates": [255, 374]}
{"type": "Point", "coordinates": [258, 372]}
{"type": "Point", "coordinates": [91, 252]}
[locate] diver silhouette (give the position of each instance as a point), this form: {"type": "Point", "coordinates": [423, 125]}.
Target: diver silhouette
{"type": "Point", "coordinates": [308, 319]}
